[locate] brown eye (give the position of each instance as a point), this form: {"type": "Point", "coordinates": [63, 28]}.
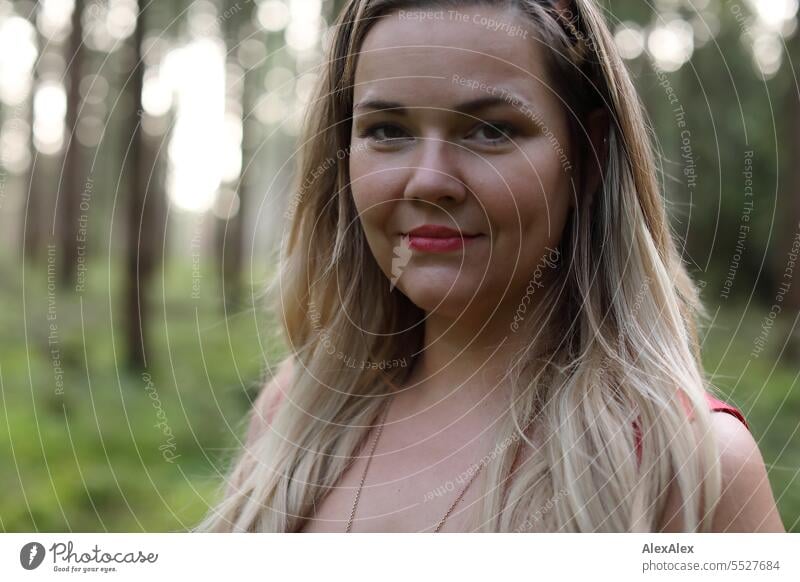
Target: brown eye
{"type": "Point", "coordinates": [494, 133]}
{"type": "Point", "coordinates": [384, 133]}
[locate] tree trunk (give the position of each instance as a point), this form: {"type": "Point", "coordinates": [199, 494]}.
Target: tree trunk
{"type": "Point", "coordinates": [789, 206]}
{"type": "Point", "coordinates": [143, 240]}
{"type": "Point", "coordinates": [72, 185]}
{"type": "Point", "coordinates": [230, 231]}
{"type": "Point", "coordinates": [336, 8]}
{"type": "Point", "coordinates": [34, 222]}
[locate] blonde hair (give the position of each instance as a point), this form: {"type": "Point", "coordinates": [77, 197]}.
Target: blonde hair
{"type": "Point", "coordinates": [625, 355]}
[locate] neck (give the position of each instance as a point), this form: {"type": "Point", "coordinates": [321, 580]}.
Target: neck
{"type": "Point", "coordinates": [468, 357]}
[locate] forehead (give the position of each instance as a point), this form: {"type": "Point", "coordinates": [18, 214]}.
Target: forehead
{"type": "Point", "coordinates": [427, 57]}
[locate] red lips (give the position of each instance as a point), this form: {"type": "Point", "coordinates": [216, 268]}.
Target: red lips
{"type": "Point", "coordinates": [437, 231]}
{"type": "Point", "coordinates": [434, 238]}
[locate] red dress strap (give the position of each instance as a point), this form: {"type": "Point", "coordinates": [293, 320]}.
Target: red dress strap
{"type": "Point", "coordinates": [717, 405]}
{"type": "Point", "coordinates": [714, 404]}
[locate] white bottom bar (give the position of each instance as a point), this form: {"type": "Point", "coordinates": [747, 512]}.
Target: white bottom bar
{"type": "Point", "coordinates": [333, 557]}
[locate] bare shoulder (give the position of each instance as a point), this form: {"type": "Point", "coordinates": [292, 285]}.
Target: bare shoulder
{"type": "Point", "coordinates": [268, 399]}
{"type": "Point", "coordinates": [746, 503]}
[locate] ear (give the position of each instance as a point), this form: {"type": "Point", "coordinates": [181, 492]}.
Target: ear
{"type": "Point", "coordinates": [596, 152]}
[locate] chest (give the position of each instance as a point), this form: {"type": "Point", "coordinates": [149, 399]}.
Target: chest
{"type": "Point", "coordinates": [410, 485]}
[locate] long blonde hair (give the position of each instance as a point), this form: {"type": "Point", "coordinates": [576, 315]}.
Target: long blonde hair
{"type": "Point", "coordinates": [625, 354]}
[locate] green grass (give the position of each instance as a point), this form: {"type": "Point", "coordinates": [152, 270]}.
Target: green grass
{"type": "Point", "coordinates": [89, 459]}
{"type": "Point", "coordinates": [766, 387]}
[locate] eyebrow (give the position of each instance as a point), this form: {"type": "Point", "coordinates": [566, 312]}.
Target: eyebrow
{"type": "Point", "coordinates": [466, 107]}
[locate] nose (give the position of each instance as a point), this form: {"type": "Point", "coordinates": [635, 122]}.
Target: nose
{"type": "Point", "coordinates": [435, 176]}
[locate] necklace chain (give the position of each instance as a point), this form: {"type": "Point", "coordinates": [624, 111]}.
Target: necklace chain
{"type": "Point", "coordinates": [364, 475]}
{"type": "Point", "coordinates": [366, 468]}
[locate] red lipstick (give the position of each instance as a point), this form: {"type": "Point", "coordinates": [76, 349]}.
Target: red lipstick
{"type": "Point", "coordinates": [434, 238]}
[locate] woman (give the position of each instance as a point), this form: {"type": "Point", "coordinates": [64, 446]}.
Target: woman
{"type": "Point", "coordinates": [491, 327]}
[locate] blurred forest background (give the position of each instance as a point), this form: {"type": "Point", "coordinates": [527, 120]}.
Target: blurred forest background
{"type": "Point", "coordinates": [146, 157]}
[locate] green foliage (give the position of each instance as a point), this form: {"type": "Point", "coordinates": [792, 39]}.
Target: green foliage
{"type": "Point", "coordinates": [94, 458]}
{"type": "Point", "coordinates": [766, 388]}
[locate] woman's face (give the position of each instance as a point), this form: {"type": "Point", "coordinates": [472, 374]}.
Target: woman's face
{"type": "Point", "coordinates": [476, 141]}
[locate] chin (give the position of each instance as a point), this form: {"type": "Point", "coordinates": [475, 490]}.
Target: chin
{"type": "Point", "coordinates": [440, 296]}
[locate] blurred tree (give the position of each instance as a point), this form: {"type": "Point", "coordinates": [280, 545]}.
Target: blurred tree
{"type": "Point", "coordinates": [34, 223]}
{"type": "Point", "coordinates": [789, 197]}
{"type": "Point", "coordinates": [73, 174]}
{"type": "Point", "coordinates": [336, 7]}
{"type": "Point", "coordinates": [238, 33]}
{"type": "Point", "coordinates": [145, 216]}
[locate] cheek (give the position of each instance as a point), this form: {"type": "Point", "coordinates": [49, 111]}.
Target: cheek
{"type": "Point", "coordinates": [527, 198]}
{"type": "Point", "coordinates": [372, 189]}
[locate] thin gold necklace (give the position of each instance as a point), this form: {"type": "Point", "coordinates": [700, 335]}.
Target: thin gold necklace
{"type": "Point", "coordinates": [366, 468]}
